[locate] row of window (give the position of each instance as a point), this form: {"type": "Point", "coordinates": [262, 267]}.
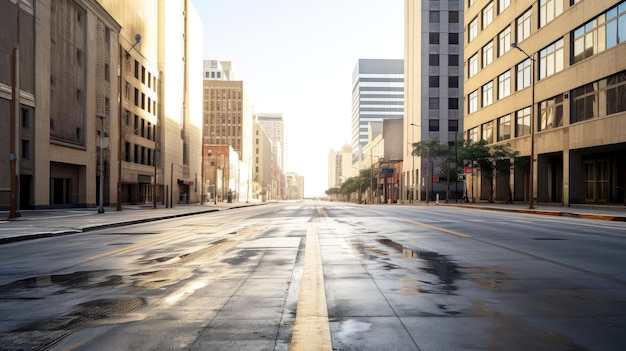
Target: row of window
{"type": "Point", "coordinates": [140, 154]}
{"type": "Point", "coordinates": [141, 127]}
{"type": "Point", "coordinates": [588, 40]}
{"type": "Point", "coordinates": [601, 98]}
{"type": "Point", "coordinates": [601, 33]}
{"type": "Point", "coordinates": [548, 11]}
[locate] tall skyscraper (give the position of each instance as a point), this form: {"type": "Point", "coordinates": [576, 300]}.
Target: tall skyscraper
{"type": "Point", "coordinates": [377, 94]}
{"type": "Point", "coordinates": [434, 87]}
{"type": "Point", "coordinates": [549, 78]}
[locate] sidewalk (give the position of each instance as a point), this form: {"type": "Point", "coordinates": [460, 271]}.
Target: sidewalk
{"type": "Point", "coordinates": [54, 222]}
{"type": "Point", "coordinates": [597, 212]}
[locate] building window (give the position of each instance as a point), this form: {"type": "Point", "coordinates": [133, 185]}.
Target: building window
{"type": "Point", "coordinates": [433, 16]}
{"type": "Point", "coordinates": [433, 103]}
{"type": "Point", "coordinates": [472, 68]}
{"type": "Point", "coordinates": [488, 15]}
{"type": "Point", "coordinates": [487, 92]}
{"type": "Point", "coordinates": [453, 60]}
{"type": "Point", "coordinates": [433, 82]}
{"type": "Point", "coordinates": [473, 29]}
{"type": "Point", "coordinates": [503, 5]}
{"type": "Point", "coordinates": [453, 81]}
{"type": "Point", "coordinates": [453, 125]}
{"type": "Point", "coordinates": [433, 38]}
{"type": "Point", "coordinates": [453, 38]}
{"type": "Point", "coordinates": [551, 113]}
{"type": "Point", "coordinates": [453, 103]}
{"type": "Point", "coordinates": [488, 132]}
{"type": "Point", "coordinates": [127, 152]}
{"type": "Point", "coordinates": [433, 60]}
{"type": "Point", "coordinates": [504, 85]}
{"type": "Point", "coordinates": [523, 26]}
{"type": "Point", "coordinates": [601, 98]}
{"type": "Point", "coordinates": [25, 118]}
{"type": "Point", "coordinates": [616, 25]}
{"type": "Point", "coordinates": [25, 149]}
{"type": "Point", "coordinates": [523, 74]}
{"type": "Point", "coordinates": [472, 134]}
{"type": "Point", "coordinates": [487, 54]}
{"type": "Point", "coordinates": [453, 17]}
{"type": "Point", "coordinates": [549, 10]}
{"type": "Point", "coordinates": [522, 122]}
{"type": "Point", "coordinates": [504, 128]}
{"type": "Point", "coordinates": [433, 125]}
{"type": "Point", "coordinates": [551, 59]}
{"type": "Point", "coordinates": [136, 97]}
{"type": "Point", "coordinates": [473, 101]}
{"type": "Point", "coordinates": [136, 69]}
{"type": "Point", "coordinates": [504, 41]}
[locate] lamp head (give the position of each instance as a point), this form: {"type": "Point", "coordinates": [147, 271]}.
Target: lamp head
{"type": "Point", "coordinates": [137, 37]}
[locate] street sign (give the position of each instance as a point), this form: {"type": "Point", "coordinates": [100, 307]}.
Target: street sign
{"type": "Point", "coordinates": [461, 177]}
{"type": "Point", "coordinates": [467, 170]}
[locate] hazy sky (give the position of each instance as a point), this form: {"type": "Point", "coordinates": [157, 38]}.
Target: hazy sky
{"type": "Point", "coordinates": [297, 57]}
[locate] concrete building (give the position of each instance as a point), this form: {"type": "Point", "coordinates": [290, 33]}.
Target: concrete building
{"type": "Point", "coordinates": [377, 94]}
{"type": "Point", "coordinates": [546, 77]}
{"type": "Point", "coordinates": [144, 126]}
{"type": "Point", "coordinates": [228, 113]}
{"type": "Point", "coordinates": [433, 68]}
{"type": "Point", "coordinates": [274, 126]}
{"type": "Point", "coordinates": [263, 162]}
{"type": "Point", "coordinates": [340, 166]}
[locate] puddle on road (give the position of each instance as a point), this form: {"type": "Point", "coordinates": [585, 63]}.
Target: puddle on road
{"type": "Point", "coordinates": [437, 264]}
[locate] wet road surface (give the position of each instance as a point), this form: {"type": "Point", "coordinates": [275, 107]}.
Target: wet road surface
{"type": "Point", "coordinates": [323, 275]}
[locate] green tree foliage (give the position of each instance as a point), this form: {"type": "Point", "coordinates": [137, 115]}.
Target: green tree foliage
{"type": "Point", "coordinates": [487, 158]}
{"type": "Point", "coordinates": [442, 156]}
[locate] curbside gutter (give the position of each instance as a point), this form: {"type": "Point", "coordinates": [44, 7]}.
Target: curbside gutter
{"type": "Point", "coordinates": [595, 216]}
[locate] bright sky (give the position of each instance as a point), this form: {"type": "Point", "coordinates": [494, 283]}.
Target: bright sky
{"type": "Point", "coordinates": [297, 57]}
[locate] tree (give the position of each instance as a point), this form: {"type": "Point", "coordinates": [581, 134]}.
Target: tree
{"type": "Point", "coordinates": [481, 155]}
{"type": "Point", "coordinates": [441, 156]}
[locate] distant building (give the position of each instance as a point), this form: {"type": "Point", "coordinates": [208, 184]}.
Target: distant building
{"type": "Point", "coordinates": [263, 162]}
{"type": "Point", "coordinates": [558, 96]}
{"type": "Point", "coordinates": [340, 166]}
{"type": "Point", "coordinates": [228, 113]}
{"type": "Point", "coordinates": [377, 94]}
{"type": "Point", "coordinates": [274, 126]}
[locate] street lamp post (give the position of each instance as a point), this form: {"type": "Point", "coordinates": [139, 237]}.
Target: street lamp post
{"type": "Point", "coordinates": [101, 202]}
{"type": "Point", "coordinates": [532, 126]}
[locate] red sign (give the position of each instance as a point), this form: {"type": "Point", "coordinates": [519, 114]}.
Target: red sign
{"type": "Point", "coordinates": [468, 170]}
{"type": "Point", "coordinates": [435, 179]}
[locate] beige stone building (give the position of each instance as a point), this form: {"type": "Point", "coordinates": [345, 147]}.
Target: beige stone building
{"type": "Point", "coordinates": [111, 76]}
{"type": "Point", "coordinates": [546, 77]}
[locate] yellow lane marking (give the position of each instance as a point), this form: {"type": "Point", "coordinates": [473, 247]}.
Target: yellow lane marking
{"type": "Point", "coordinates": [322, 212]}
{"type": "Point", "coordinates": [311, 330]}
{"type": "Point", "coordinates": [436, 228]}
{"type": "Point", "coordinates": [425, 225]}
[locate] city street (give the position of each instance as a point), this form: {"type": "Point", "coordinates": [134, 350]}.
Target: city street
{"type": "Point", "coordinates": [322, 275]}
